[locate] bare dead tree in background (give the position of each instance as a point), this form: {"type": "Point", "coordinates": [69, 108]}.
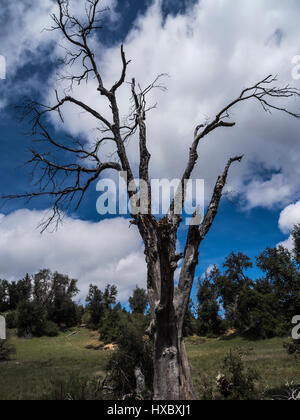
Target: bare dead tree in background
{"type": "Point", "coordinates": [66, 182]}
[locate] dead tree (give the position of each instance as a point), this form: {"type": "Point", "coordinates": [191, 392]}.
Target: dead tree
{"type": "Point", "coordinates": [69, 181]}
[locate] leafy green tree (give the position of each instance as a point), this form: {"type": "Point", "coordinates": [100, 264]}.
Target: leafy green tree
{"type": "Point", "coordinates": [110, 325]}
{"type": "Point", "coordinates": [283, 276]}
{"type": "Point", "coordinates": [13, 295]}
{"type": "Point", "coordinates": [45, 304]}
{"type": "Point", "coordinates": [138, 301]}
{"type": "Point", "coordinates": [12, 319]}
{"type": "Point", "coordinates": [109, 296]}
{"type": "Point", "coordinates": [231, 284]}
{"type": "Point", "coordinates": [55, 293]}
{"type": "Point", "coordinates": [4, 296]}
{"type": "Point", "coordinates": [42, 286]}
{"type": "Point", "coordinates": [25, 288]}
{"type": "Point", "coordinates": [31, 320]}
{"type": "Point", "coordinates": [95, 305]}
{"type": "Point", "coordinates": [19, 292]}
{"type": "Point", "coordinates": [62, 310]}
{"type": "Point", "coordinates": [257, 313]}
{"type": "Point", "coordinates": [189, 322]}
{"type": "Point", "coordinates": [250, 307]}
{"type": "Point", "coordinates": [296, 237]}
{"type": "Point", "coordinates": [99, 302]}
{"type": "Point", "coordinates": [209, 321]}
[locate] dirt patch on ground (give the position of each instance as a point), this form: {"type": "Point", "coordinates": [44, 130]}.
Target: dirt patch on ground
{"type": "Point", "coordinates": [95, 344]}
{"type": "Point", "coordinates": [111, 347]}
{"type": "Point", "coordinates": [230, 332]}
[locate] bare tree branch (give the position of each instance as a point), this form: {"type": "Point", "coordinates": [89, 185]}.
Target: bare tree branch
{"type": "Point", "coordinates": [263, 92]}
{"type": "Point", "coordinates": [138, 115]}
{"type": "Point", "coordinates": [79, 104]}
{"type": "Point", "coordinates": [123, 75]}
{"type": "Point", "coordinates": [194, 238]}
{"type": "Point", "coordinates": [77, 34]}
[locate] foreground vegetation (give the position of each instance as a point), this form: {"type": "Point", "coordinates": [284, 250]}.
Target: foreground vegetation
{"type": "Point", "coordinates": [268, 357]}
{"type": "Point", "coordinates": [41, 362]}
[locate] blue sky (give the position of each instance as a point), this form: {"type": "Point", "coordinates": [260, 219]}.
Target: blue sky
{"type": "Point", "coordinates": [212, 41]}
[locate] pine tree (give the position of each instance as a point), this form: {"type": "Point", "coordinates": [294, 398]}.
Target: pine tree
{"type": "Point", "coordinates": [138, 301]}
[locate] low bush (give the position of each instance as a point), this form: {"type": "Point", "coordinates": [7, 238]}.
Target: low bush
{"type": "Point", "coordinates": [134, 351]}
{"type": "Point", "coordinates": [293, 348]}
{"type": "Point", "coordinates": [51, 329]}
{"type": "Point", "coordinates": [236, 382]}
{"type": "Point", "coordinates": [6, 350]}
{"type": "Point", "coordinates": [11, 320]}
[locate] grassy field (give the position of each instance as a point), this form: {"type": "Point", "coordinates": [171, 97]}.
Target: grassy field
{"type": "Point", "coordinates": [275, 367]}
{"type": "Point", "coordinates": [39, 361]}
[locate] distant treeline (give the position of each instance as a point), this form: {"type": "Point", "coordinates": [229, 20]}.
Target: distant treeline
{"type": "Point", "coordinates": [44, 304]}
{"type": "Point", "coordinates": [227, 299]}
{"type": "Point", "coordinates": [264, 308]}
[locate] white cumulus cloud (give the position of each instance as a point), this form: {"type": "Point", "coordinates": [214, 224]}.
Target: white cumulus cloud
{"type": "Point", "coordinates": [289, 217]}
{"type": "Point", "coordinates": [98, 253]}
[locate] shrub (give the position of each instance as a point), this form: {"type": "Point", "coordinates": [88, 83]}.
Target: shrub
{"type": "Point", "coordinates": [237, 382]}
{"type": "Point", "coordinates": [207, 391]}
{"type": "Point", "coordinates": [11, 320]}
{"type": "Point", "coordinates": [134, 351]}
{"type": "Point", "coordinates": [6, 350]}
{"type": "Point", "coordinates": [51, 329]}
{"type": "Point", "coordinates": [293, 348]}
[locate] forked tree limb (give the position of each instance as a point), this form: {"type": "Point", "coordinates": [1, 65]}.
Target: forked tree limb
{"type": "Point", "coordinates": [263, 92]}
{"type": "Point", "coordinates": [195, 236]}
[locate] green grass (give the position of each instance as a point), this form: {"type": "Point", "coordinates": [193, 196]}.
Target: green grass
{"type": "Point", "coordinates": [41, 360]}
{"type": "Point", "coordinates": [275, 367]}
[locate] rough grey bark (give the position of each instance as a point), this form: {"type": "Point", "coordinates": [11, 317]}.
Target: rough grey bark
{"type": "Point", "coordinates": [140, 381]}
{"type": "Point", "coordinates": [168, 304]}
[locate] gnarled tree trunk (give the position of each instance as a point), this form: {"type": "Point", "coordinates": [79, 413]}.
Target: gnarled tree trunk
{"type": "Point", "coordinates": [172, 378]}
